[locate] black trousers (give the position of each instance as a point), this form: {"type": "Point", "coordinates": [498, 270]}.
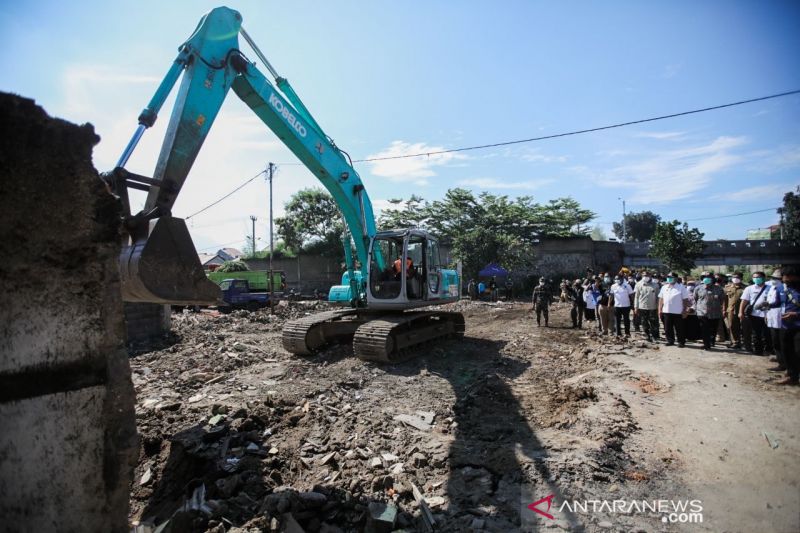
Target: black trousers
{"type": "Point", "coordinates": [649, 320]}
{"type": "Point", "coordinates": [777, 345]}
{"type": "Point", "coordinates": [576, 313]}
{"type": "Point", "coordinates": [761, 339]}
{"type": "Point", "coordinates": [790, 342]}
{"type": "Point", "coordinates": [623, 313]}
{"type": "Point", "coordinates": [674, 326]}
{"type": "Point", "coordinates": [708, 330]}
{"type": "Point", "coordinates": [542, 310]}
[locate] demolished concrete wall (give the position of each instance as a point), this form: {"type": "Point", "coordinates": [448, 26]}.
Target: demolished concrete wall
{"type": "Point", "coordinates": [68, 439]}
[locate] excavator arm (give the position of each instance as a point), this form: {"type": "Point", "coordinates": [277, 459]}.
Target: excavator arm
{"type": "Point", "coordinates": [158, 262]}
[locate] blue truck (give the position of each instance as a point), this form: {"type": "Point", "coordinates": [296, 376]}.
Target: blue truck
{"type": "Point", "coordinates": [236, 293]}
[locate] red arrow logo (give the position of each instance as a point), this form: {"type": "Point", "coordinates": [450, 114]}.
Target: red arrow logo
{"type": "Point", "coordinates": [549, 500]}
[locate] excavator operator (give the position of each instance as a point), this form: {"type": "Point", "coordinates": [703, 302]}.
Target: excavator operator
{"type": "Point", "coordinates": [409, 268]}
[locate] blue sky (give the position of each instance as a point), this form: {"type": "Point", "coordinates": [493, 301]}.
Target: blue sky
{"type": "Point", "coordinates": [401, 77]}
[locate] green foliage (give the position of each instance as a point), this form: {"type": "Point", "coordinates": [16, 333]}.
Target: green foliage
{"type": "Point", "coordinates": [493, 228]}
{"type": "Point", "coordinates": [312, 224]}
{"type": "Point", "coordinates": [281, 252]}
{"type": "Point", "coordinates": [791, 216]}
{"type": "Point", "coordinates": [233, 266]}
{"type": "Point", "coordinates": [411, 213]}
{"type": "Point", "coordinates": [677, 246]}
{"type": "Point", "coordinates": [640, 227]}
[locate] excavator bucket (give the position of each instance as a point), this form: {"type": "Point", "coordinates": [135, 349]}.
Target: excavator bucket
{"type": "Point", "coordinates": [164, 268]}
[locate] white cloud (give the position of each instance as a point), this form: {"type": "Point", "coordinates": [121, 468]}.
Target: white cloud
{"type": "Point", "coordinates": [410, 167]}
{"type": "Point", "coordinates": [84, 85]}
{"type": "Point", "coordinates": [495, 183]}
{"type": "Point", "coordinates": [662, 135]}
{"type": "Point", "coordinates": [534, 156]}
{"type": "Point", "coordinates": [768, 191]}
{"type": "Point", "coordinates": [675, 174]}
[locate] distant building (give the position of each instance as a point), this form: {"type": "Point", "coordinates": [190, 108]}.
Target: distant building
{"type": "Point", "coordinates": [211, 261]}
{"type": "Point", "coordinates": [229, 254]}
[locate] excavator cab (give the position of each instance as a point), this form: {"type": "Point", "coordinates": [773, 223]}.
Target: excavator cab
{"type": "Point", "coordinates": [422, 280]}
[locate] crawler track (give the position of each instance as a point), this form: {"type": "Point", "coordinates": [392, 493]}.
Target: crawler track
{"type": "Point", "coordinates": [380, 337]}
{"type": "Point", "coordinates": [394, 338]}
{"type": "Point", "coordinates": [309, 334]}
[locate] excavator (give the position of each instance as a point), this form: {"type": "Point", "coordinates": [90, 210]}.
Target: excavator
{"type": "Point", "coordinates": [385, 298]}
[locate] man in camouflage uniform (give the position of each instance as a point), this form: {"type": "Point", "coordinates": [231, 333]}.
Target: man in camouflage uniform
{"type": "Point", "coordinates": [733, 298]}
{"type": "Point", "coordinates": [541, 302]}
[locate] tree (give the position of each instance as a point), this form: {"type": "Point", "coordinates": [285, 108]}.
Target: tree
{"type": "Point", "coordinates": [233, 266]}
{"type": "Point", "coordinates": [639, 227]}
{"type": "Point", "coordinates": [790, 216]}
{"type": "Point", "coordinates": [312, 223]}
{"type": "Point", "coordinates": [411, 213]}
{"type": "Point", "coordinates": [565, 218]}
{"type": "Point", "coordinates": [677, 246]}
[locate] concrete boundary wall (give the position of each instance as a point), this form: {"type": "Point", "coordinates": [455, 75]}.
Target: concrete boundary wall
{"type": "Point", "coordinates": [68, 440]}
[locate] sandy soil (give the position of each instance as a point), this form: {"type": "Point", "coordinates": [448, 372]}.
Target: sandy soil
{"type": "Point", "coordinates": [239, 435]}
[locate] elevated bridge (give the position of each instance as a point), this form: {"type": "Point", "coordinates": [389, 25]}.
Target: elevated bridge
{"type": "Point", "coordinates": [744, 252]}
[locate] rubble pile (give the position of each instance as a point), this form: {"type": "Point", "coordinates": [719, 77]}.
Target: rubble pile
{"type": "Point", "coordinates": [239, 435]}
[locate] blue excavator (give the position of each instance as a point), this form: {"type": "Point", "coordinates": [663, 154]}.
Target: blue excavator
{"type": "Point", "coordinates": [398, 271]}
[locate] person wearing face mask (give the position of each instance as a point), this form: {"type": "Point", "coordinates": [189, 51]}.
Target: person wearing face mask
{"type": "Point", "coordinates": [776, 298]}
{"type": "Point", "coordinates": [605, 303]}
{"type": "Point", "coordinates": [591, 293]}
{"type": "Point", "coordinates": [645, 304]}
{"type": "Point", "coordinates": [733, 299]}
{"type": "Point", "coordinates": [722, 331]}
{"type": "Point", "coordinates": [753, 308]}
{"type": "Point", "coordinates": [708, 300]}
{"type": "Point", "coordinates": [541, 302]}
{"type": "Point", "coordinates": [673, 306]}
{"type": "Point", "coordinates": [790, 324]}
{"type": "Point", "coordinates": [622, 292]}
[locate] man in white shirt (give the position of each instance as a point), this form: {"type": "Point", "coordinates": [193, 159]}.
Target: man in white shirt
{"type": "Point", "coordinates": [776, 298]}
{"type": "Point", "coordinates": [673, 306]}
{"type": "Point", "coordinates": [754, 308]}
{"type": "Point", "coordinates": [622, 304]}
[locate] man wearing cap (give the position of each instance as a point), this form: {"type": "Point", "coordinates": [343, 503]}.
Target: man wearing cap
{"type": "Point", "coordinates": [673, 306]}
{"type": "Point", "coordinates": [541, 302]}
{"type": "Point", "coordinates": [754, 308]}
{"type": "Point", "coordinates": [776, 297]}
{"type": "Point", "coordinates": [645, 305]}
{"type": "Point", "coordinates": [708, 300]}
{"type": "Point", "coordinates": [790, 325]}
{"type": "Point", "coordinates": [733, 299]}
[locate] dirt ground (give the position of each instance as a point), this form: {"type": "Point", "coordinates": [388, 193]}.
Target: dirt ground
{"type": "Point", "coordinates": [240, 435]}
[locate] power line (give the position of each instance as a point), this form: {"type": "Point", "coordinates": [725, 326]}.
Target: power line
{"type": "Point", "coordinates": [578, 132]}
{"type": "Point", "coordinates": [224, 197]}
{"type": "Point", "coordinates": [532, 139]}
{"type": "Point", "coordinates": [733, 215]}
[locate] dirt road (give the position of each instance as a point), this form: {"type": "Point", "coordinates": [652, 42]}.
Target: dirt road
{"type": "Point", "coordinates": [238, 435]}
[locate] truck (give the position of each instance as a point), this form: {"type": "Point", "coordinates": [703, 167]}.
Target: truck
{"type": "Point", "coordinates": [238, 294]}
{"type": "Point", "coordinates": [257, 279]}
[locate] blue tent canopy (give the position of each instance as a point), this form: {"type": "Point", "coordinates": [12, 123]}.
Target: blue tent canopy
{"type": "Point", "coordinates": [493, 269]}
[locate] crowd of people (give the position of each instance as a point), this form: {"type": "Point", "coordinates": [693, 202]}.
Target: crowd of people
{"type": "Point", "coordinates": [762, 318]}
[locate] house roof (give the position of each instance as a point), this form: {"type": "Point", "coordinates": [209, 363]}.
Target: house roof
{"type": "Point", "coordinates": [208, 258]}
{"type": "Point", "coordinates": [233, 252]}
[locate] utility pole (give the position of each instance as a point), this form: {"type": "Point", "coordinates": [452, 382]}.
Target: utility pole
{"type": "Point", "coordinates": [270, 171]}
{"type": "Point", "coordinates": [624, 225]}
{"type": "Point", "coordinates": [253, 218]}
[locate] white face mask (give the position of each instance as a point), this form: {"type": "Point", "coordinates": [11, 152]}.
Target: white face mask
{"type": "Point", "coordinates": [646, 279]}
{"type": "Point", "coordinates": [737, 280]}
